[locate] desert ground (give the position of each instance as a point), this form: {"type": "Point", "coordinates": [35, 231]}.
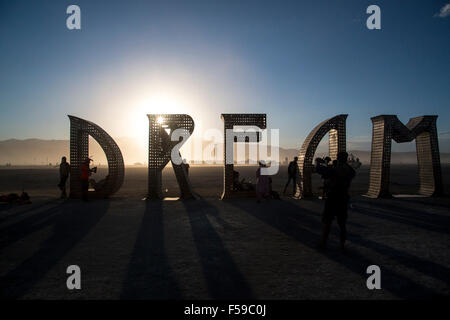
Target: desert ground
{"type": "Point", "coordinates": [128, 248]}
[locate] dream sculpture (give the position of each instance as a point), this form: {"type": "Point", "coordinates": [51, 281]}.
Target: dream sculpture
{"type": "Point", "coordinates": [336, 127]}
{"type": "Point", "coordinates": [165, 129]}
{"type": "Point", "coordinates": [160, 150]}
{"type": "Point", "coordinates": [423, 130]}
{"type": "Point", "coordinates": [229, 121]}
{"type": "Point", "coordinates": [79, 150]}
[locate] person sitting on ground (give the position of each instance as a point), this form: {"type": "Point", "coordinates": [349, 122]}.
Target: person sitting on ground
{"type": "Point", "coordinates": [12, 198]}
{"type": "Point", "coordinates": [247, 185]}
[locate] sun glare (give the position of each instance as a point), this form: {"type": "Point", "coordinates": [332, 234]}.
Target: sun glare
{"type": "Point", "coordinates": [162, 101]}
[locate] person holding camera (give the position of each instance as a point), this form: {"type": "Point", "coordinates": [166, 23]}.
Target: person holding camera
{"type": "Point", "coordinates": [339, 178]}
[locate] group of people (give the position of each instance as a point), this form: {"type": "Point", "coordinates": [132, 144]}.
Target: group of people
{"type": "Point", "coordinates": [337, 176]}
{"type": "Point", "coordinates": [14, 198]}
{"type": "Point", "coordinates": [86, 172]}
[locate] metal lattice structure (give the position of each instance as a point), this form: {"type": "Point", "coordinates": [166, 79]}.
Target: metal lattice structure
{"type": "Point", "coordinates": [423, 129]}
{"type": "Point", "coordinates": [229, 121]}
{"type": "Point", "coordinates": [159, 153]}
{"type": "Point", "coordinates": [80, 130]}
{"type": "Point", "coordinates": [336, 127]}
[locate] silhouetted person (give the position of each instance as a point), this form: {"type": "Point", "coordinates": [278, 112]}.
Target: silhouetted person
{"type": "Point", "coordinates": [292, 175]}
{"type": "Point", "coordinates": [12, 198]}
{"type": "Point", "coordinates": [336, 204]}
{"type": "Point", "coordinates": [326, 181]}
{"type": "Point", "coordinates": [85, 174]}
{"type": "Point", "coordinates": [241, 185]}
{"type": "Point", "coordinates": [64, 172]}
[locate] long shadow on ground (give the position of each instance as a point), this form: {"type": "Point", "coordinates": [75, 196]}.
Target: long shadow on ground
{"type": "Point", "coordinates": [223, 278]}
{"type": "Point", "coordinates": [398, 214]}
{"type": "Point", "coordinates": [292, 221]}
{"type": "Point", "coordinates": [71, 223]}
{"type": "Point", "coordinates": [28, 225]}
{"type": "Point", "coordinates": [424, 266]}
{"type": "Point", "coordinates": [150, 275]}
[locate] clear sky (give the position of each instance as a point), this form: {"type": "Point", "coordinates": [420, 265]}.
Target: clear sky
{"type": "Point", "coordinates": [300, 62]}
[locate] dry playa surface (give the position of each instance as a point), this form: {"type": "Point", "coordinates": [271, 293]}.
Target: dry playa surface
{"type": "Point", "coordinates": [128, 248]}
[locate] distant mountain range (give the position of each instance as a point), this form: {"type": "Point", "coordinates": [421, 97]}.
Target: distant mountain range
{"type": "Point", "coordinates": [43, 152]}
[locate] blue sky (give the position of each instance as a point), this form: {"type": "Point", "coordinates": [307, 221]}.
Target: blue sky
{"type": "Point", "coordinates": [300, 62]}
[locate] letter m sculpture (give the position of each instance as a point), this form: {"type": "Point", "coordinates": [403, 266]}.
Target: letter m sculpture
{"type": "Point", "coordinates": [423, 129]}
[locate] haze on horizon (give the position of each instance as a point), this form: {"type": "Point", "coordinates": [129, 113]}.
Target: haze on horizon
{"type": "Point", "coordinates": [299, 62]}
